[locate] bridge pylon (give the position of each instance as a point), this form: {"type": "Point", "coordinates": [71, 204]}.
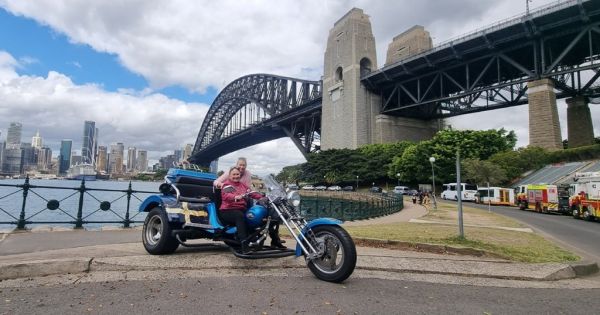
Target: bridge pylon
{"type": "Point", "coordinates": [350, 112]}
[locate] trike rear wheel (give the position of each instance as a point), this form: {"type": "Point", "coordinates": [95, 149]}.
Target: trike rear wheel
{"type": "Point", "coordinates": [156, 234]}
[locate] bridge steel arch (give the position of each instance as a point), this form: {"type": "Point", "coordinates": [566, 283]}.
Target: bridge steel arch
{"type": "Point", "coordinates": [260, 107]}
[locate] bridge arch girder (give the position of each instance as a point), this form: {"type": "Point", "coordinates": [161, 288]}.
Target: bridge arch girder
{"type": "Point", "coordinates": [273, 95]}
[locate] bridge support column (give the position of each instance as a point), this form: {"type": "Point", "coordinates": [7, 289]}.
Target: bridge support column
{"type": "Point", "coordinates": [544, 126]}
{"type": "Point", "coordinates": [393, 129]}
{"type": "Point", "coordinates": [579, 122]}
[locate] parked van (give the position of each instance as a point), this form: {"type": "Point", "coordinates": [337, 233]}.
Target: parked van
{"type": "Point", "coordinates": [403, 190]}
{"type": "Point", "coordinates": [468, 191]}
{"type": "Point", "coordinates": [497, 196]}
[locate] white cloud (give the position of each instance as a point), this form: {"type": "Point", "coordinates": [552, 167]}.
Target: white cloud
{"type": "Point", "coordinates": [201, 44]}
{"type": "Point", "coordinates": [57, 107]}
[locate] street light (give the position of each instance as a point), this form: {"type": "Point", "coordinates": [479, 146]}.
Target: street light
{"type": "Point", "coordinates": [356, 182]}
{"type": "Point", "coordinates": [398, 176]}
{"type": "Point", "coordinates": [432, 160]}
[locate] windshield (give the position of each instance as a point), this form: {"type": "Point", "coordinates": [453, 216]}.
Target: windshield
{"type": "Point", "coordinates": [274, 188]}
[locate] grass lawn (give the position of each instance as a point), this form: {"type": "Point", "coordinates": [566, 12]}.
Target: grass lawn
{"type": "Point", "coordinates": [508, 244]}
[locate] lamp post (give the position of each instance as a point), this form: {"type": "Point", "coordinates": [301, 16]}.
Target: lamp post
{"type": "Point", "coordinates": [356, 182]}
{"type": "Point", "coordinates": [398, 176]}
{"type": "Point", "coordinates": [432, 160]}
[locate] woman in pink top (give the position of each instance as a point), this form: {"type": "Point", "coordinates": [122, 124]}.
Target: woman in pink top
{"type": "Point", "coordinates": [233, 204]}
{"type": "Point", "coordinates": [245, 176]}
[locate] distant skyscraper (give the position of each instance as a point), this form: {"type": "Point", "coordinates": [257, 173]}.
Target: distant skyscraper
{"type": "Point", "coordinates": [115, 160]}
{"type": "Point", "coordinates": [28, 157]}
{"type": "Point", "coordinates": [142, 161]}
{"type": "Point", "coordinates": [88, 153]}
{"type": "Point", "coordinates": [178, 155]}
{"type": "Point", "coordinates": [12, 155]}
{"type": "Point", "coordinates": [187, 151]}
{"type": "Point", "coordinates": [64, 159]}
{"type": "Point", "coordinates": [102, 160]}
{"type": "Point", "coordinates": [13, 137]}
{"type": "Point", "coordinates": [36, 141]}
{"type": "Point", "coordinates": [44, 159]}
{"type": "Point", "coordinates": [131, 159]}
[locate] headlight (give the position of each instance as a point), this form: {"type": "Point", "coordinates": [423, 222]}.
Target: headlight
{"type": "Point", "coordinates": [294, 198]}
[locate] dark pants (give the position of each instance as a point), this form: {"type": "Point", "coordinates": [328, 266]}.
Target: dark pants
{"type": "Point", "coordinates": [235, 216]}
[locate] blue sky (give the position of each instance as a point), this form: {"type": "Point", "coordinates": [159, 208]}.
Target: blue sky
{"type": "Point", "coordinates": [40, 49]}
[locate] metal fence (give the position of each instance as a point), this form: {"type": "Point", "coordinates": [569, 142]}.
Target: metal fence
{"type": "Point", "coordinates": [31, 204]}
{"type": "Point", "coordinates": [349, 206]}
{"type": "Point", "coordinates": [71, 206]}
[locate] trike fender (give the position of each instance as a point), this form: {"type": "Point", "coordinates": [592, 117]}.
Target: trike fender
{"type": "Point", "coordinates": [155, 201]}
{"type": "Point", "coordinates": [314, 223]}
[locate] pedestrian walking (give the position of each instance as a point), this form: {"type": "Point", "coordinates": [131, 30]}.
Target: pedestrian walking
{"type": "Point", "coordinates": [414, 198]}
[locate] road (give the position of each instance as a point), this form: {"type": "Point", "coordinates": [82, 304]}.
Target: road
{"type": "Point", "coordinates": [281, 293]}
{"type": "Point", "coordinates": [578, 235]}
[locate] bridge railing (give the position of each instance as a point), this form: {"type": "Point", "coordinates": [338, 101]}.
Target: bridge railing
{"type": "Point", "coordinates": [31, 204]}
{"type": "Point", "coordinates": [349, 206]}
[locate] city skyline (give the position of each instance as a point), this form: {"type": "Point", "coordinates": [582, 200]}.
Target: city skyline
{"type": "Point", "coordinates": [19, 135]}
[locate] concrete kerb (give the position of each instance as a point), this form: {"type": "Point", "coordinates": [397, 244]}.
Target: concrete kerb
{"type": "Point", "coordinates": [43, 268]}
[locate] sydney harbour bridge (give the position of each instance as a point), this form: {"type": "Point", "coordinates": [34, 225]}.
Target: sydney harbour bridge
{"type": "Point", "coordinates": [488, 69]}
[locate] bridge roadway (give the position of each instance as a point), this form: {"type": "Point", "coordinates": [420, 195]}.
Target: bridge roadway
{"type": "Point", "coordinates": [489, 69]}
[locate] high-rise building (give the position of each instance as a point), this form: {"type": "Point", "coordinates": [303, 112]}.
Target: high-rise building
{"type": "Point", "coordinates": [131, 159]}
{"type": "Point", "coordinates": [64, 159]}
{"type": "Point", "coordinates": [88, 153]}
{"type": "Point", "coordinates": [115, 160]}
{"type": "Point", "coordinates": [13, 137]}
{"type": "Point", "coordinates": [12, 155]}
{"type": "Point", "coordinates": [187, 151]}
{"type": "Point", "coordinates": [36, 141]}
{"type": "Point", "coordinates": [178, 155]}
{"type": "Point", "coordinates": [142, 161]}
{"type": "Point", "coordinates": [76, 159]}
{"type": "Point", "coordinates": [167, 162]}
{"type": "Point", "coordinates": [102, 160]}
{"type": "Point", "coordinates": [44, 159]}
{"type": "Point", "coordinates": [28, 157]}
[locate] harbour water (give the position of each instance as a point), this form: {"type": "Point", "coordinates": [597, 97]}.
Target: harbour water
{"type": "Point", "coordinates": [67, 194]}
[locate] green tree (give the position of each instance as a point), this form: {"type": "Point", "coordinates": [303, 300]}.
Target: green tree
{"type": "Point", "coordinates": [517, 162]}
{"type": "Point", "coordinates": [414, 165]}
{"type": "Point", "coordinates": [482, 172]}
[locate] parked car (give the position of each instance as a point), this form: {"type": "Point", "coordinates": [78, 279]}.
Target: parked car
{"type": "Point", "coordinates": [334, 188]}
{"type": "Point", "coordinates": [292, 187]}
{"type": "Point", "coordinates": [402, 190]}
{"type": "Point", "coordinates": [321, 187]}
{"type": "Point", "coordinates": [348, 188]}
{"type": "Point", "coordinates": [413, 192]}
{"type": "Point", "coordinates": [375, 189]}
{"type": "Point", "coordinates": [308, 187]}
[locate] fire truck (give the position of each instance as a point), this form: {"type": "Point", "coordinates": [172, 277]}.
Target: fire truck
{"type": "Point", "coordinates": [585, 196]}
{"type": "Point", "coordinates": [538, 197]}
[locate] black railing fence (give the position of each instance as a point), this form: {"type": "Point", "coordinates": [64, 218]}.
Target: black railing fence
{"type": "Point", "coordinates": [76, 206]}
{"type": "Point", "coordinates": [349, 206]}
{"type": "Point", "coordinates": [30, 204]}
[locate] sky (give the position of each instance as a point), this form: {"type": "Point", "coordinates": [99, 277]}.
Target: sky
{"type": "Point", "coordinates": [147, 71]}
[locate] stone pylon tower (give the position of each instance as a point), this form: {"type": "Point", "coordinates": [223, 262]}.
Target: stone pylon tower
{"type": "Point", "coordinates": [350, 113]}
{"type": "Point", "coordinates": [349, 110]}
